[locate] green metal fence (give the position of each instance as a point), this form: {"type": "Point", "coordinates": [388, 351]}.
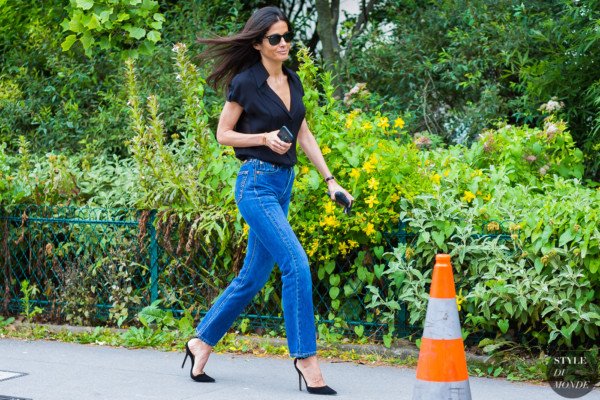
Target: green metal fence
{"type": "Point", "coordinates": [95, 264]}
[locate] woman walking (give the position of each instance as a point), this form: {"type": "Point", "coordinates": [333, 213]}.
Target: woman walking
{"type": "Point", "coordinates": [264, 96]}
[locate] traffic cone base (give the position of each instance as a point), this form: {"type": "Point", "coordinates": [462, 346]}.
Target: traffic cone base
{"type": "Point", "coordinates": [442, 391]}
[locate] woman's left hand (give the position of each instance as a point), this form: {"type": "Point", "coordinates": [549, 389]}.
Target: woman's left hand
{"type": "Point", "coordinates": [333, 186]}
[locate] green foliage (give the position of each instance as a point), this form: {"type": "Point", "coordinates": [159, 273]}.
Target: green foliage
{"type": "Point", "coordinates": [29, 311]}
{"type": "Point", "coordinates": [459, 66]}
{"type": "Point", "coordinates": [447, 197]}
{"type": "Point", "coordinates": [188, 174]}
{"type": "Point", "coordinates": [530, 154]}
{"type": "Point", "coordinates": [130, 25]}
{"type": "Point", "coordinates": [540, 286]}
{"type": "Point", "coordinates": [159, 327]}
{"type": "Point", "coordinates": [4, 322]}
{"type": "Point", "coordinates": [566, 68]}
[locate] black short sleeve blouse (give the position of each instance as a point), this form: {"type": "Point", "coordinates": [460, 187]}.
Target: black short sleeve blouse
{"type": "Point", "coordinates": [264, 111]}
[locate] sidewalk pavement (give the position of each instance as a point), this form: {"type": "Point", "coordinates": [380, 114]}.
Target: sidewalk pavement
{"type": "Point", "coordinates": [66, 371]}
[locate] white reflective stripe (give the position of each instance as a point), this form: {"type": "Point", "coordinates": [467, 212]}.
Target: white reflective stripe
{"type": "Point", "coordinates": [441, 321]}
{"type": "Point", "coordinates": [425, 390]}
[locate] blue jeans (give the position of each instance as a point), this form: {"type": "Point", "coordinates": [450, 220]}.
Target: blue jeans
{"type": "Point", "coordinates": [262, 194]}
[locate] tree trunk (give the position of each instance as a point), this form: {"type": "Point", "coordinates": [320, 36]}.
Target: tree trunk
{"type": "Point", "coordinates": [328, 12]}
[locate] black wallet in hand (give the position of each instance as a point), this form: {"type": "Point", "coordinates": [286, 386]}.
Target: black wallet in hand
{"type": "Point", "coordinates": [285, 135]}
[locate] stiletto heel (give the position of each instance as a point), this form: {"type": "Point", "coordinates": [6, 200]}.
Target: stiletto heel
{"type": "Point", "coordinates": [326, 390]}
{"type": "Point", "coordinates": [198, 378]}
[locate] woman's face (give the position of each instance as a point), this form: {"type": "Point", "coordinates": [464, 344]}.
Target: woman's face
{"type": "Point", "coordinates": [280, 50]}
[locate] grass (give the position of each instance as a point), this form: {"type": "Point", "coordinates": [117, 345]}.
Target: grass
{"type": "Point", "coordinates": [509, 366]}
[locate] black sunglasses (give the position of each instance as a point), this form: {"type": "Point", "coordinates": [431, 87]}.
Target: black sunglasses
{"type": "Point", "coordinates": [276, 38]}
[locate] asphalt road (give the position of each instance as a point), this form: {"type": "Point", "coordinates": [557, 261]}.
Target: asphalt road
{"type": "Point", "coordinates": [64, 371]}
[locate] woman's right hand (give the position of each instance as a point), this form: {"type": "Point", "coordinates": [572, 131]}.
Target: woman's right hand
{"type": "Point", "coordinates": [276, 144]}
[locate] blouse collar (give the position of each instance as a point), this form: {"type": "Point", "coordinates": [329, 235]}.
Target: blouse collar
{"type": "Point", "coordinates": [261, 75]}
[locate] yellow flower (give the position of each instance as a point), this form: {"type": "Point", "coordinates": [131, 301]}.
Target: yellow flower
{"type": "Point", "coordinates": [330, 220]}
{"type": "Point", "coordinates": [326, 150]}
{"type": "Point", "coordinates": [355, 173]}
{"type": "Point", "coordinates": [245, 230]}
{"type": "Point", "coordinates": [304, 170]}
{"type": "Point", "coordinates": [329, 207]}
{"type": "Point", "coordinates": [369, 167]}
{"type": "Point", "coordinates": [383, 122]}
{"type": "Point", "coordinates": [460, 299]}
{"type": "Point", "coordinates": [399, 123]}
{"type": "Point", "coordinates": [343, 248]}
{"type": "Point", "coordinates": [353, 243]}
{"type": "Point", "coordinates": [394, 197]}
{"type": "Point", "coordinates": [372, 200]}
{"type": "Point", "coordinates": [370, 229]}
{"type": "Point", "coordinates": [313, 248]}
{"type": "Point", "coordinates": [367, 126]}
{"type": "Point", "coordinates": [477, 172]}
{"type": "Point", "coordinates": [436, 178]}
{"type": "Point", "coordinates": [468, 196]}
{"type": "Point", "coordinates": [373, 183]}
{"type": "Point", "coordinates": [487, 197]}
{"type": "Point", "coordinates": [350, 118]}
{"type": "Point", "coordinates": [446, 173]}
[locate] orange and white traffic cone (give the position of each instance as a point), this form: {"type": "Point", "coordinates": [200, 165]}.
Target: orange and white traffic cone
{"type": "Point", "coordinates": [442, 368]}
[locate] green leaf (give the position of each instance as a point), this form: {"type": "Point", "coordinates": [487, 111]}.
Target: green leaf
{"type": "Point", "coordinates": [93, 22]}
{"type": "Point", "coordinates": [154, 36]}
{"type": "Point", "coordinates": [387, 340]}
{"type": "Point", "coordinates": [87, 40]}
{"type": "Point", "coordinates": [123, 17]}
{"type": "Point", "coordinates": [359, 330]}
{"type": "Point", "coordinates": [378, 269]}
{"type": "Point", "coordinates": [334, 280]}
{"type": "Point", "coordinates": [362, 273]}
{"type": "Point", "coordinates": [566, 237]}
{"type": "Point", "coordinates": [438, 238]}
{"type": "Point", "coordinates": [330, 266]}
{"type": "Point", "coordinates": [156, 25]}
{"type": "Point", "coordinates": [135, 32]}
{"type": "Point", "coordinates": [314, 180]}
{"type": "Point", "coordinates": [378, 251]}
{"type": "Point", "coordinates": [334, 292]}
{"type": "Point", "coordinates": [75, 24]}
{"type": "Point", "coordinates": [68, 42]}
{"type": "Point", "coordinates": [503, 325]}
{"type": "Point", "coordinates": [85, 4]}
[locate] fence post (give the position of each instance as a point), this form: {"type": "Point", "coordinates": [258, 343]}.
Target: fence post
{"type": "Point", "coordinates": [153, 259]}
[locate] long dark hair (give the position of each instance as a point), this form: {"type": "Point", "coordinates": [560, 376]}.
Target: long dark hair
{"type": "Point", "coordinates": [235, 53]}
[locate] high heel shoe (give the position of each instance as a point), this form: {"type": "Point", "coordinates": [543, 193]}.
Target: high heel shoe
{"type": "Point", "coordinates": [311, 389]}
{"type": "Point", "coordinates": [198, 378]}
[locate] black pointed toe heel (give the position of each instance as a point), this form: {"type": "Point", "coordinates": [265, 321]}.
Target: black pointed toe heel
{"type": "Point", "coordinates": [198, 378]}
{"type": "Point", "coordinates": [326, 390]}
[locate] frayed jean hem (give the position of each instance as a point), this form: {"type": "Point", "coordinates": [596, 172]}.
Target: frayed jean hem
{"type": "Point", "coordinates": [303, 355]}
{"type": "Point", "coordinates": [208, 342]}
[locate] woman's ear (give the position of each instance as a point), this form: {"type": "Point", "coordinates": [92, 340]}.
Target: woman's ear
{"type": "Point", "coordinates": [257, 46]}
